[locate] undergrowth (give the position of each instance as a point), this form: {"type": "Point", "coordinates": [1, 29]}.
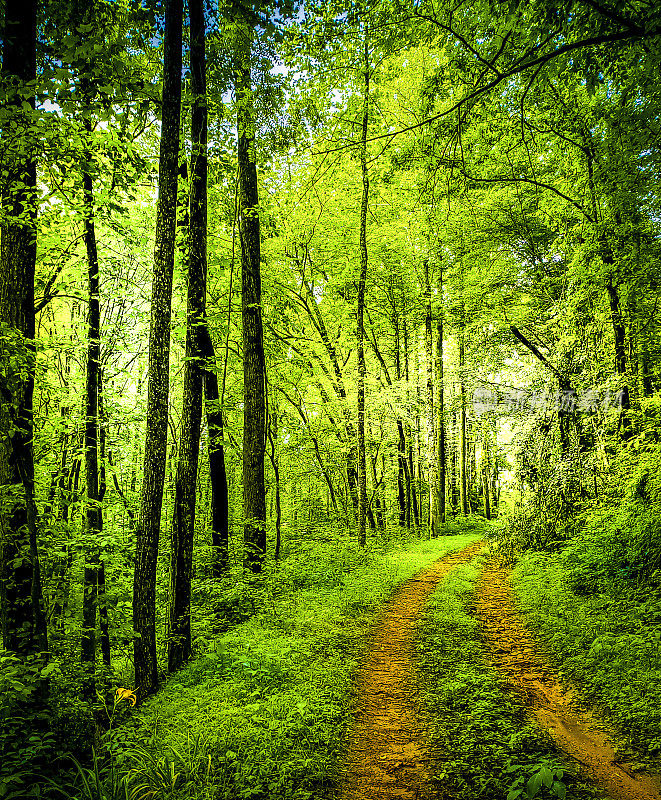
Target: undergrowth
{"type": "Point", "coordinates": [480, 742]}
{"type": "Point", "coordinates": [263, 712]}
{"type": "Point", "coordinates": [603, 636]}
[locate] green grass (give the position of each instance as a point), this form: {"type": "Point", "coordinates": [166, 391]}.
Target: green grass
{"type": "Point", "coordinates": [264, 712]}
{"type": "Point", "coordinates": [481, 743]}
{"type": "Point", "coordinates": [607, 644]}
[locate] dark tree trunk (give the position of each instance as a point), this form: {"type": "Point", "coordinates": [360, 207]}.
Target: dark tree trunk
{"type": "Point", "coordinates": [401, 442]}
{"type": "Point", "coordinates": [440, 413]}
{"type": "Point", "coordinates": [411, 499]}
{"type": "Point", "coordinates": [418, 437]}
{"type": "Point", "coordinates": [360, 332]}
{"type": "Point", "coordinates": [59, 576]}
{"type": "Point", "coordinates": [254, 364]}
{"type": "Point", "coordinates": [463, 477]}
{"type": "Point", "coordinates": [619, 336]}
{"type": "Point", "coordinates": [403, 476]}
{"type": "Point", "coordinates": [151, 501]}
{"type": "Point", "coordinates": [102, 597]}
{"type": "Point", "coordinates": [183, 523]}
{"type": "Point", "coordinates": [454, 486]}
{"type": "Point", "coordinates": [217, 470]}
{"type": "Point", "coordinates": [431, 438]}
{"type": "Point", "coordinates": [487, 494]}
{"type": "Point", "coordinates": [275, 463]}
{"type": "Point", "coordinates": [93, 510]}
{"type": "Point", "coordinates": [23, 620]}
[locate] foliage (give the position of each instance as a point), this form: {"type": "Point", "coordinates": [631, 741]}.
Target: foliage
{"type": "Point", "coordinates": [606, 641]}
{"type": "Point", "coordinates": [27, 741]}
{"type": "Point", "coordinates": [264, 711]}
{"type": "Point", "coordinates": [465, 702]}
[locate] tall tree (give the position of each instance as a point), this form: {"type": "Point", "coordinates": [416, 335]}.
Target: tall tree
{"type": "Point", "coordinates": [149, 518]}
{"type": "Point", "coordinates": [217, 470]}
{"type": "Point", "coordinates": [254, 362]}
{"type": "Point", "coordinates": [440, 411]}
{"type": "Point", "coordinates": [183, 523]}
{"type": "Point", "coordinates": [463, 476]}
{"type": "Point", "coordinates": [93, 509]}
{"type": "Point", "coordinates": [360, 332]}
{"type": "Point", "coordinates": [431, 437]}
{"type": "Point", "coordinates": [22, 614]}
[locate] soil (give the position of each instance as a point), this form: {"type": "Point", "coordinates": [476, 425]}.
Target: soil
{"type": "Point", "coordinates": [576, 732]}
{"type": "Point", "coordinates": [387, 759]}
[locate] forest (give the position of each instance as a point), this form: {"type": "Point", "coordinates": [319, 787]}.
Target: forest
{"type": "Point", "coordinates": [330, 399]}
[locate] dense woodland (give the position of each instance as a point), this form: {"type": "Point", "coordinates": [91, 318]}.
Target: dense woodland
{"type": "Point", "coordinates": [278, 281]}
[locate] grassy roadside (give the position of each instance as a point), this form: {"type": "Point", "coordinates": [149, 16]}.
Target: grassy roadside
{"type": "Point", "coordinates": [607, 644]}
{"type": "Point", "coordinates": [264, 713]}
{"type": "Point", "coordinates": [481, 744]}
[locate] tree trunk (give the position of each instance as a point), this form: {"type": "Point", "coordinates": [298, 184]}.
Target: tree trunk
{"type": "Point", "coordinates": [217, 469]}
{"type": "Point", "coordinates": [254, 364]}
{"type": "Point", "coordinates": [275, 462]}
{"type": "Point", "coordinates": [463, 478]}
{"type": "Point", "coordinates": [431, 433]}
{"type": "Point", "coordinates": [411, 500]}
{"type": "Point", "coordinates": [183, 523]}
{"type": "Point", "coordinates": [23, 620]}
{"type": "Point", "coordinates": [360, 333]}
{"type": "Point", "coordinates": [102, 597]}
{"type": "Point", "coordinates": [440, 493]}
{"type": "Point", "coordinates": [487, 497]}
{"type": "Point", "coordinates": [485, 470]}
{"type": "Point", "coordinates": [93, 510]}
{"type": "Point", "coordinates": [454, 486]}
{"type": "Point", "coordinates": [60, 577]}
{"type": "Point", "coordinates": [619, 336]}
{"type": "Point", "coordinates": [149, 519]}
{"type": "Point", "coordinates": [418, 431]}
{"type": "Point", "coordinates": [401, 440]}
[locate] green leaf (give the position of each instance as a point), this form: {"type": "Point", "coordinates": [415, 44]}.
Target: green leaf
{"type": "Point", "coordinates": [546, 776]}
{"type": "Point", "coordinates": [48, 669]}
{"type": "Point", "coordinates": [559, 790]}
{"type": "Point", "coordinates": [534, 784]}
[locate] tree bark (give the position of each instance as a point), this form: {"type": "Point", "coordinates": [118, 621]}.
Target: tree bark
{"type": "Point", "coordinates": [463, 478]}
{"type": "Point", "coordinates": [183, 523]}
{"type": "Point", "coordinates": [440, 414]}
{"type": "Point", "coordinates": [275, 463]}
{"type": "Point", "coordinates": [254, 364]}
{"type": "Point", "coordinates": [418, 428]}
{"type": "Point", "coordinates": [102, 597]}
{"type": "Point", "coordinates": [217, 469]}
{"type": "Point", "coordinates": [93, 510]}
{"type": "Point", "coordinates": [431, 432]}
{"type": "Point", "coordinates": [151, 501]}
{"type": "Point", "coordinates": [23, 620]}
{"type": "Point", "coordinates": [406, 428]}
{"type": "Point", "coordinates": [401, 440]}
{"type": "Point", "coordinates": [619, 336]}
{"type": "Point", "coordinates": [360, 332]}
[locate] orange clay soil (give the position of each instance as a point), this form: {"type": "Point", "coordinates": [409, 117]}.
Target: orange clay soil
{"type": "Point", "coordinates": [579, 734]}
{"type": "Point", "coordinates": [387, 755]}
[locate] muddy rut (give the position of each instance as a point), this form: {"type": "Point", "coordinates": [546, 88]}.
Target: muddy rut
{"type": "Point", "coordinates": [579, 734]}
{"type": "Point", "coordinates": [387, 755]}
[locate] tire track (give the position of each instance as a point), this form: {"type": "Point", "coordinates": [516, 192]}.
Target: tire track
{"type": "Point", "coordinates": [387, 758]}
{"type": "Point", "coordinates": [581, 735]}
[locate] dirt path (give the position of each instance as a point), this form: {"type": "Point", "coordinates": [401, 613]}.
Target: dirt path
{"type": "Point", "coordinates": [579, 734]}
{"type": "Point", "coordinates": [387, 758]}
